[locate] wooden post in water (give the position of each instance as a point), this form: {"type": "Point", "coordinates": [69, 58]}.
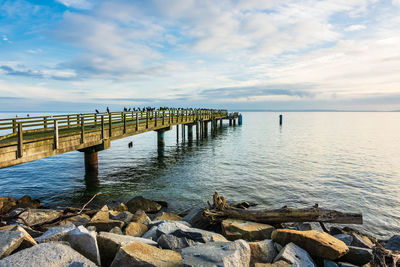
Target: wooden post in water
{"type": "Point", "coordinates": [55, 134]}
{"type": "Point", "coordinates": [197, 130]}
{"type": "Point", "coordinates": [177, 132]}
{"type": "Point", "coordinates": [280, 119]}
{"type": "Point", "coordinates": [82, 129]}
{"type": "Point", "coordinates": [190, 132]}
{"type": "Point", "coordinates": [20, 148]}
{"type": "Point", "coordinates": [205, 129]}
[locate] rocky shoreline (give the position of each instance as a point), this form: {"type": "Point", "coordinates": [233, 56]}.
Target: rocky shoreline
{"type": "Point", "coordinates": [141, 232]}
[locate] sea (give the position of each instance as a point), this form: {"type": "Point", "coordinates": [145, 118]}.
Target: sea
{"type": "Point", "coordinates": [348, 161]}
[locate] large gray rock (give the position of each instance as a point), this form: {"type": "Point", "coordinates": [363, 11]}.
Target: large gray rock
{"type": "Point", "coordinates": [158, 228]}
{"type": "Point", "coordinates": [35, 216]}
{"type": "Point", "coordinates": [361, 241]}
{"type": "Point", "coordinates": [124, 216]}
{"type": "Point", "coordinates": [263, 251]}
{"type": "Point", "coordinates": [27, 241]}
{"type": "Point", "coordinates": [47, 255]}
{"type": "Point", "coordinates": [251, 231]}
{"type": "Point", "coordinates": [345, 238]}
{"type": "Point", "coordinates": [105, 225]}
{"type": "Point", "coordinates": [110, 243]}
{"type": "Point", "coordinates": [174, 243]}
{"type": "Point", "coordinates": [196, 219]}
{"type": "Point", "coordinates": [199, 235]}
{"type": "Point", "coordinates": [84, 242]}
{"type": "Point", "coordinates": [328, 263]}
{"type": "Point", "coordinates": [55, 233]}
{"type": "Point", "coordinates": [295, 255]}
{"type": "Point", "coordinates": [233, 254]}
{"type": "Point", "coordinates": [357, 256]}
{"type": "Point", "coordinates": [141, 254]}
{"type": "Point", "coordinates": [141, 203]}
{"type": "Point", "coordinates": [10, 241]}
{"type": "Point", "coordinates": [393, 243]}
{"type": "Point", "coordinates": [101, 215]}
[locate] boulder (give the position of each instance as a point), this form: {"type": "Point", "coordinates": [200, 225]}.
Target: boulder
{"type": "Point", "coordinates": [393, 243]}
{"type": "Point", "coordinates": [101, 215]}
{"type": "Point", "coordinates": [251, 231]}
{"type": "Point", "coordinates": [196, 219]}
{"type": "Point", "coordinates": [110, 243]}
{"type": "Point", "coordinates": [360, 240]}
{"type": "Point", "coordinates": [167, 216]}
{"type": "Point", "coordinates": [199, 235]}
{"type": "Point", "coordinates": [116, 230]}
{"type": "Point", "coordinates": [135, 229]}
{"type": "Point", "coordinates": [347, 239]}
{"type": "Point", "coordinates": [84, 242]}
{"type": "Point", "coordinates": [318, 244]}
{"type": "Point", "coordinates": [10, 241]}
{"type": "Point", "coordinates": [262, 251]}
{"type": "Point", "coordinates": [275, 264]}
{"type": "Point", "coordinates": [357, 256]}
{"type": "Point", "coordinates": [336, 231]}
{"type": "Point", "coordinates": [47, 255]}
{"type": "Point", "coordinates": [227, 254]}
{"type": "Point", "coordinates": [124, 216]}
{"type": "Point", "coordinates": [27, 241]}
{"type": "Point", "coordinates": [6, 204]}
{"type": "Point", "coordinates": [105, 225]}
{"type": "Point", "coordinates": [55, 233]}
{"type": "Point", "coordinates": [295, 256]}
{"type": "Point", "coordinates": [28, 202]}
{"type": "Point", "coordinates": [120, 208]}
{"type": "Point", "coordinates": [35, 216]}
{"type": "Point", "coordinates": [141, 203]}
{"type": "Point", "coordinates": [141, 217]}
{"type": "Point", "coordinates": [12, 227]}
{"type": "Point", "coordinates": [174, 243]}
{"type": "Point", "coordinates": [77, 220]}
{"type": "Point", "coordinates": [141, 254]}
{"type": "Point", "coordinates": [163, 227]}
{"type": "Point", "coordinates": [328, 263]}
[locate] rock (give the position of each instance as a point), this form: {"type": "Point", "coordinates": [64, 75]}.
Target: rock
{"type": "Point", "coordinates": [84, 242]}
{"type": "Point", "coordinates": [233, 254]}
{"type": "Point", "coordinates": [295, 256]}
{"type": "Point", "coordinates": [198, 235]}
{"type": "Point", "coordinates": [47, 255]}
{"type": "Point", "coordinates": [116, 230]}
{"type": "Point", "coordinates": [168, 217]}
{"type": "Point", "coordinates": [393, 243]}
{"type": "Point", "coordinates": [120, 208]}
{"type": "Point", "coordinates": [262, 251]}
{"type": "Point", "coordinates": [6, 204]}
{"type": "Point", "coordinates": [35, 216]}
{"type": "Point", "coordinates": [163, 227]}
{"type": "Point", "coordinates": [318, 244]}
{"type": "Point", "coordinates": [328, 263]}
{"type": "Point", "coordinates": [10, 241]}
{"type": "Point", "coordinates": [77, 220]}
{"type": "Point", "coordinates": [278, 247]}
{"type": "Point", "coordinates": [196, 219]}
{"type": "Point", "coordinates": [345, 238]}
{"type": "Point", "coordinates": [174, 243]}
{"type": "Point", "coordinates": [124, 216]}
{"type": "Point", "coordinates": [101, 215]}
{"type": "Point", "coordinates": [141, 254]}
{"type": "Point", "coordinates": [336, 231]}
{"type": "Point", "coordinates": [136, 229]}
{"type": "Point", "coordinates": [92, 228]}
{"type": "Point", "coordinates": [362, 241]}
{"type": "Point", "coordinates": [141, 217]}
{"type": "Point", "coordinates": [141, 203]}
{"type": "Point", "coordinates": [251, 231]}
{"type": "Point", "coordinates": [157, 223]}
{"type": "Point", "coordinates": [357, 256]}
{"type": "Point", "coordinates": [110, 243]}
{"type": "Point", "coordinates": [28, 202]}
{"type": "Point", "coordinates": [12, 227]}
{"type": "Point", "coordinates": [275, 264]}
{"type": "Point", "coordinates": [53, 234]}
{"type": "Point", "coordinates": [27, 241]}
{"type": "Point", "coordinates": [105, 225]}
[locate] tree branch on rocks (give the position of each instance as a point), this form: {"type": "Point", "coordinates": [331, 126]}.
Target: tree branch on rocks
{"type": "Point", "coordinates": [384, 257]}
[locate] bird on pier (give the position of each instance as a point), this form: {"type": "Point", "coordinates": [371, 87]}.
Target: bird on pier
{"type": "Point", "coordinates": [108, 110]}
{"type": "Point", "coordinates": [97, 111]}
{"type": "Point", "coordinates": [130, 144]}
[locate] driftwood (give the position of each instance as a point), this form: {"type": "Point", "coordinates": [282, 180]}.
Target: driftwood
{"type": "Point", "coordinates": [384, 258]}
{"type": "Point", "coordinates": [220, 210]}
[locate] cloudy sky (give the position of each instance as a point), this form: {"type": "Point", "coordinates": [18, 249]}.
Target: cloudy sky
{"type": "Point", "coordinates": [241, 54]}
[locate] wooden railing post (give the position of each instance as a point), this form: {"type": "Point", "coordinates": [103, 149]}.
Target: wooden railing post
{"type": "Point", "coordinates": [102, 127]}
{"type": "Point", "coordinates": [163, 117]}
{"type": "Point", "coordinates": [68, 120]}
{"type": "Point", "coordinates": [147, 119]}
{"type": "Point", "coordinates": [77, 120]}
{"type": "Point", "coordinates": [45, 122]}
{"type": "Point", "coordinates": [155, 118]}
{"type": "Point", "coordinates": [95, 119]}
{"type": "Point", "coordinates": [20, 148]}
{"type": "Point", "coordinates": [82, 119]}
{"type": "Point", "coordinates": [137, 122]}
{"type": "Point", "coordinates": [124, 118]}
{"type": "Point", "coordinates": [109, 125]}
{"type": "Point", "coordinates": [55, 134]}
{"type": "Point", "coordinates": [14, 123]}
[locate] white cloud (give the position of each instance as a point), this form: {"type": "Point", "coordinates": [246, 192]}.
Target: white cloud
{"type": "Point", "coordinates": [78, 4]}
{"type": "Point", "coordinates": [396, 3]}
{"type": "Point", "coordinates": [355, 27]}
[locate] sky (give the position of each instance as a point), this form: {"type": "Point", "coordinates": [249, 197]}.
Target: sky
{"type": "Point", "coordinates": [77, 55]}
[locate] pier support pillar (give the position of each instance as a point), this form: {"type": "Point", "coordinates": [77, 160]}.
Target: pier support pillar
{"type": "Point", "coordinates": [197, 131]}
{"type": "Point", "coordinates": [234, 122]}
{"type": "Point", "coordinates": [230, 122]}
{"type": "Point", "coordinates": [205, 128]}
{"type": "Point", "coordinates": [91, 161]}
{"type": "Point", "coordinates": [160, 138]}
{"type": "Point", "coordinates": [220, 123]}
{"type": "Point", "coordinates": [240, 119]}
{"type": "Point", "coordinates": [190, 131]}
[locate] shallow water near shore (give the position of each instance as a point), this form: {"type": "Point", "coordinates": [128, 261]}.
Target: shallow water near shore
{"type": "Point", "coordinates": [347, 161]}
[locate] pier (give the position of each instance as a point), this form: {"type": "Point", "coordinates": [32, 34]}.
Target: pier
{"type": "Point", "coordinates": [32, 138]}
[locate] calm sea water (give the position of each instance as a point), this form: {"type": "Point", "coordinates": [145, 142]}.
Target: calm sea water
{"type": "Point", "coordinates": [344, 161]}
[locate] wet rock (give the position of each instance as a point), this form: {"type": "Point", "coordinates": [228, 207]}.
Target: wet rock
{"type": "Point", "coordinates": [250, 231]}
{"type": "Point", "coordinates": [110, 243]}
{"type": "Point", "coordinates": [328, 263]}
{"type": "Point", "coordinates": [105, 225]}
{"type": "Point", "coordinates": [47, 255]}
{"type": "Point", "coordinates": [27, 241]}
{"type": "Point", "coordinates": [336, 231]}
{"type": "Point", "coordinates": [199, 235]}
{"type": "Point", "coordinates": [362, 241]}
{"type": "Point", "coordinates": [228, 254]}
{"type": "Point", "coordinates": [295, 256]}
{"type": "Point", "coordinates": [10, 241]}
{"type": "Point", "coordinates": [136, 229]}
{"type": "Point", "coordinates": [124, 216]}
{"type": "Point", "coordinates": [318, 244]}
{"type": "Point", "coordinates": [262, 251]}
{"type": "Point", "coordinates": [163, 227]}
{"type": "Point", "coordinates": [196, 219]}
{"type": "Point", "coordinates": [35, 216]}
{"type": "Point", "coordinates": [174, 243]}
{"type": "Point", "coordinates": [77, 220]}
{"type": "Point", "coordinates": [141, 217]}
{"type": "Point", "coordinates": [357, 256]}
{"type": "Point", "coordinates": [6, 204]}
{"type": "Point", "coordinates": [141, 203]}
{"type": "Point", "coordinates": [53, 234]}
{"type": "Point", "coordinates": [345, 238]}
{"type": "Point", "coordinates": [116, 230]}
{"type": "Point", "coordinates": [167, 216]}
{"type": "Point", "coordinates": [84, 242]}
{"type": "Point", "coordinates": [28, 202]}
{"type": "Point", "coordinates": [120, 208]}
{"type": "Point", "coordinates": [141, 254]}
{"type": "Point", "coordinates": [101, 215]}
{"type": "Point", "coordinates": [393, 243]}
{"type": "Point", "coordinates": [278, 247]}
{"type": "Point", "coordinates": [275, 264]}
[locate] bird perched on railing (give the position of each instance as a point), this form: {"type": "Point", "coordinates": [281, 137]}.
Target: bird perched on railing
{"type": "Point", "coordinates": [108, 110]}
{"type": "Point", "coordinates": [97, 111]}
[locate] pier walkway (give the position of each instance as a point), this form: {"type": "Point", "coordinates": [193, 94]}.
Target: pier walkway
{"type": "Point", "coordinates": [32, 138]}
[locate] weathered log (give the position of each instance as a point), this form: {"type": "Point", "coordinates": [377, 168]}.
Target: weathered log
{"type": "Point", "coordinates": [384, 258]}
{"type": "Point", "coordinates": [220, 211]}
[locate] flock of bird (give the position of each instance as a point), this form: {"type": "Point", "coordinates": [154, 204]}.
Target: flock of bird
{"type": "Point", "coordinates": [150, 109]}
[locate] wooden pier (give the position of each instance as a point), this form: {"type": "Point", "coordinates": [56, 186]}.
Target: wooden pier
{"type": "Point", "coordinates": [32, 138]}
